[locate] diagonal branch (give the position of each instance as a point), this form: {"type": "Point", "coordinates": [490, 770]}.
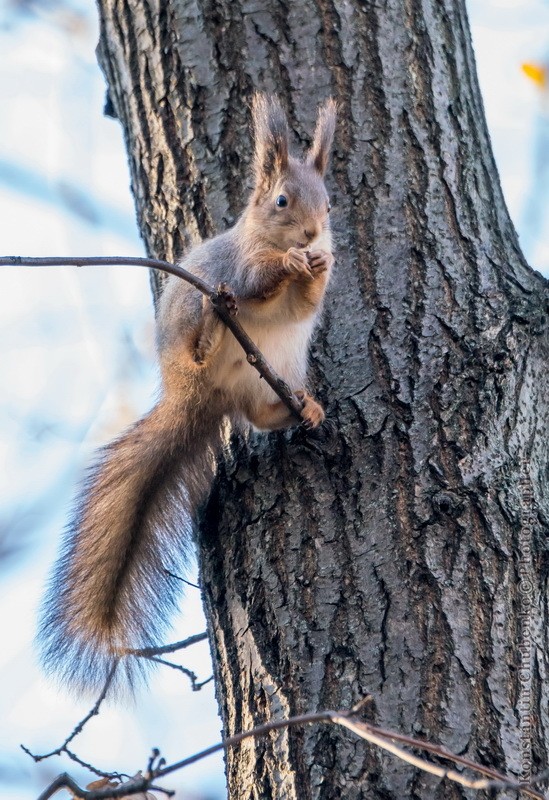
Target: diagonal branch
{"type": "Point", "coordinates": [254, 356]}
{"type": "Point", "coordinates": [379, 737]}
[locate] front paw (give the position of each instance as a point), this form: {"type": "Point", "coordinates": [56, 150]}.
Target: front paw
{"type": "Point", "coordinates": [226, 297]}
{"type": "Point", "coordinates": [319, 261]}
{"type": "Point", "coordinates": [296, 263]}
{"type": "Point", "coordinates": [312, 412]}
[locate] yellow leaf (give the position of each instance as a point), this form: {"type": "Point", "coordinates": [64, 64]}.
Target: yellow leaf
{"type": "Point", "coordinates": [536, 73]}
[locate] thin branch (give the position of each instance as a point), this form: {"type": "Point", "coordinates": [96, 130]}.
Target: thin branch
{"type": "Point", "coordinates": [259, 730]}
{"type": "Point", "coordinates": [149, 653]}
{"type": "Point", "coordinates": [442, 752]}
{"type": "Point", "coordinates": [189, 673]}
{"type": "Point", "coordinates": [377, 736]}
{"type": "Point", "coordinates": [143, 784]}
{"type": "Point", "coordinates": [77, 760]}
{"type": "Point", "coordinates": [146, 652]}
{"type": "Point", "coordinates": [380, 737]}
{"type": "Point", "coordinates": [99, 772]}
{"type": "Point", "coordinates": [183, 580]}
{"type": "Point", "coordinates": [254, 356]}
{"type": "Point", "coordinates": [368, 732]}
{"type": "Point", "coordinates": [78, 729]}
{"type": "Point", "coordinates": [196, 685]}
{"type": "Point", "coordinates": [133, 786]}
{"type": "Point", "coordinates": [63, 781]}
{"type": "Point", "coordinates": [200, 684]}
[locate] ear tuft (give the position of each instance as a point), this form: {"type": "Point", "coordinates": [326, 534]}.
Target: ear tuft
{"type": "Point", "coordinates": [271, 138]}
{"type": "Point", "coordinates": [319, 154]}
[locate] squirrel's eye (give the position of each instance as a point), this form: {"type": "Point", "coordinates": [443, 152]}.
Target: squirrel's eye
{"type": "Point", "coordinates": [329, 206]}
{"type": "Point", "coordinates": [281, 201]}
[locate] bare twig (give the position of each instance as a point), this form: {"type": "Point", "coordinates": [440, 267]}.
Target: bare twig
{"type": "Point", "coordinates": [118, 776]}
{"type": "Point", "coordinates": [188, 672]}
{"type": "Point", "coordinates": [441, 752]}
{"type": "Point", "coordinates": [196, 685]}
{"type": "Point", "coordinates": [78, 729]}
{"type": "Point", "coordinates": [200, 684]}
{"type": "Point", "coordinates": [154, 765]}
{"type": "Point", "coordinates": [379, 737]}
{"type": "Point", "coordinates": [382, 739]}
{"type": "Point", "coordinates": [63, 781]}
{"type": "Point", "coordinates": [149, 653]}
{"type": "Point", "coordinates": [145, 652]}
{"type": "Point", "coordinates": [183, 580]}
{"type": "Point", "coordinates": [254, 356]}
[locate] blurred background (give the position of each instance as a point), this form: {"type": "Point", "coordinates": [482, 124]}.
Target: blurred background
{"type": "Point", "coordinates": [76, 352]}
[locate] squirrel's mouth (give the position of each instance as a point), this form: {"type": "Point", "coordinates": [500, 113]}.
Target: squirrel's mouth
{"type": "Point", "coordinates": [301, 245]}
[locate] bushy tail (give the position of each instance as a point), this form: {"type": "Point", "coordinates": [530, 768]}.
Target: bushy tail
{"type": "Point", "coordinates": [115, 585]}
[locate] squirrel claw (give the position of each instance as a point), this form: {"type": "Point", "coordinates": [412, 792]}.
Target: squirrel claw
{"type": "Point", "coordinates": [227, 298]}
{"type": "Point", "coordinates": [319, 262]}
{"type": "Point", "coordinates": [312, 412]}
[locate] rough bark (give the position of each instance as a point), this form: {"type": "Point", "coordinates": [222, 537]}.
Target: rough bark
{"type": "Point", "coordinates": [395, 556]}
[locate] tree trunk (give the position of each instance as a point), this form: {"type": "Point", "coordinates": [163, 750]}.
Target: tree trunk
{"type": "Point", "coordinates": [404, 553]}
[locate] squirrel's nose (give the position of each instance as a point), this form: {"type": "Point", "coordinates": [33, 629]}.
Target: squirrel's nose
{"type": "Point", "coordinates": [310, 234]}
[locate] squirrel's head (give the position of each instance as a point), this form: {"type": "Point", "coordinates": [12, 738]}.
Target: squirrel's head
{"type": "Point", "coordinates": [290, 201]}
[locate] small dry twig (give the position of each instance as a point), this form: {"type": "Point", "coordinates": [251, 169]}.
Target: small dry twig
{"type": "Point", "coordinates": [168, 648]}
{"type": "Point", "coordinates": [196, 685]}
{"type": "Point", "coordinates": [63, 748]}
{"type": "Point", "coordinates": [183, 580]}
{"type": "Point", "coordinates": [151, 653]}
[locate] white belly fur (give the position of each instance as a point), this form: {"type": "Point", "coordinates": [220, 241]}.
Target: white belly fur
{"type": "Point", "coordinates": [284, 346]}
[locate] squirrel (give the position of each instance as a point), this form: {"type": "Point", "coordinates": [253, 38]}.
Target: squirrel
{"type": "Point", "coordinates": [115, 583]}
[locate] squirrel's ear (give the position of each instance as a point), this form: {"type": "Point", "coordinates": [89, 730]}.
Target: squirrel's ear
{"type": "Point", "coordinates": [319, 154]}
{"type": "Point", "coordinates": [271, 138]}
